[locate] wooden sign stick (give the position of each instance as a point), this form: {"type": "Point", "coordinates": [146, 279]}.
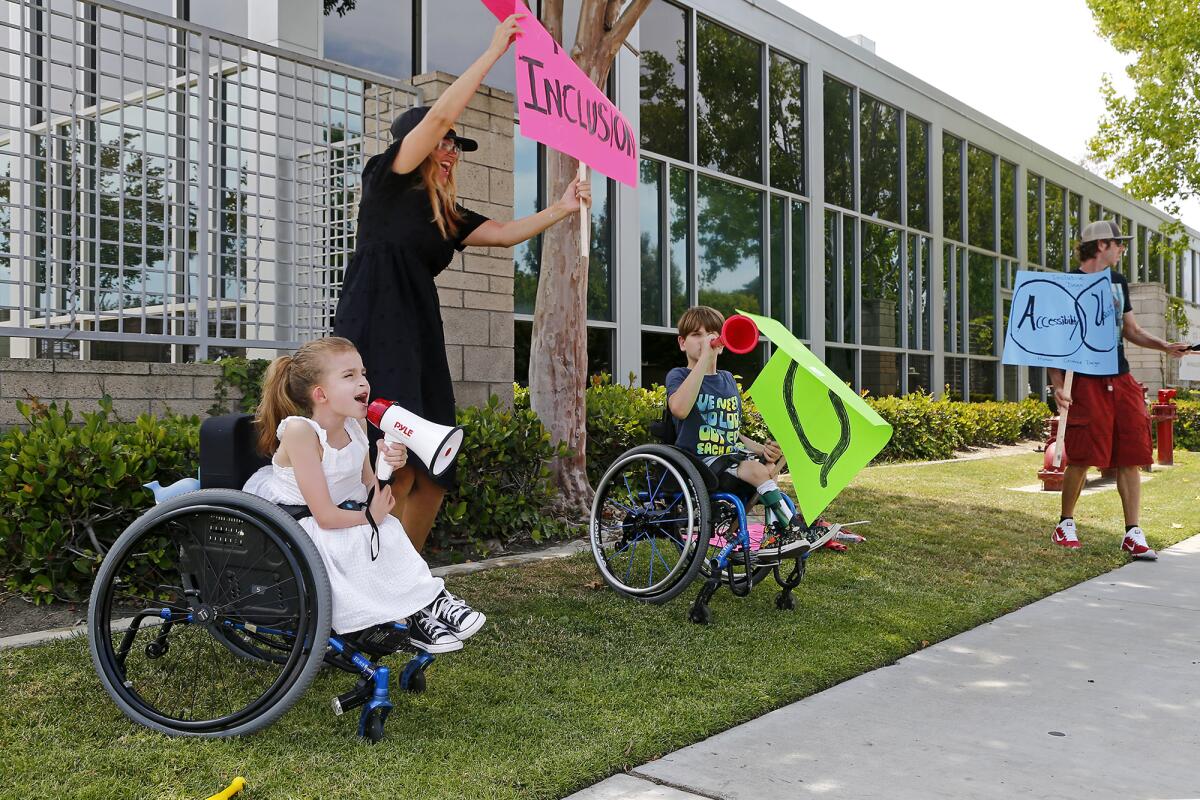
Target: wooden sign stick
{"type": "Point", "coordinates": [585, 217]}
{"type": "Point", "coordinates": [1060, 445]}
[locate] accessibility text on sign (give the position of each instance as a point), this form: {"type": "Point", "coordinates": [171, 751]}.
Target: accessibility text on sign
{"type": "Point", "coordinates": [559, 106]}
{"type": "Point", "coordinates": [1064, 320]}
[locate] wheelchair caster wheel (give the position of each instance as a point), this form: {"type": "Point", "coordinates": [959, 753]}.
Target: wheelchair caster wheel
{"type": "Point", "coordinates": [785, 602]}
{"type": "Point", "coordinates": [157, 649]}
{"type": "Point", "coordinates": [701, 615]}
{"type": "Point", "coordinates": [373, 732]}
{"type": "Point", "coordinates": [416, 684]}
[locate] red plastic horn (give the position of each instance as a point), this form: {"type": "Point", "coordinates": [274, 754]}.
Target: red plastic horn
{"type": "Point", "coordinates": [739, 335]}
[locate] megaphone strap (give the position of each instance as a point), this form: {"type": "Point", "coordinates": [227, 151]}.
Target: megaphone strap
{"type": "Point", "coordinates": [372, 523]}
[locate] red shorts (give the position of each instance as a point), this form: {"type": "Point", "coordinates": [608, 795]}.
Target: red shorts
{"type": "Point", "coordinates": [1108, 424]}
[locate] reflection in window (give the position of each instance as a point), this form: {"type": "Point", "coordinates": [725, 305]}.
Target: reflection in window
{"type": "Point", "coordinates": [956, 369]}
{"type": "Point", "coordinates": [952, 187]}
{"type": "Point", "coordinates": [1155, 252]}
{"type": "Point", "coordinates": [1126, 258]}
{"type": "Point", "coordinates": [839, 144]}
{"type": "Point", "coordinates": [1008, 208]}
{"type": "Point", "coordinates": [917, 146]}
{"type": "Point", "coordinates": [787, 123]}
{"type": "Point", "coordinates": [1075, 211]}
{"type": "Point", "coordinates": [679, 211]}
{"type": "Point", "coordinates": [920, 374]}
{"type": "Point", "coordinates": [841, 363]}
{"type": "Point", "coordinates": [951, 303]}
{"type": "Point", "coordinates": [1033, 218]}
{"type": "Point", "coordinates": [1143, 254]}
{"type": "Point", "coordinates": [1012, 383]}
{"type": "Point", "coordinates": [778, 305]}
{"type": "Point", "coordinates": [1056, 232]}
{"type": "Point", "coordinates": [600, 261]}
{"type": "Point", "coordinates": [880, 286]}
{"type": "Point", "coordinates": [456, 32]}
{"type": "Point", "coordinates": [664, 69]}
{"type": "Point", "coordinates": [730, 247]}
{"type": "Point", "coordinates": [917, 289]}
{"type": "Point", "coordinates": [981, 198]}
{"type": "Point", "coordinates": [660, 354]}
{"type": "Point", "coordinates": [800, 270]}
{"type": "Point", "coordinates": [375, 35]}
{"type": "Point", "coordinates": [649, 219]}
{"type": "Point", "coordinates": [881, 372]}
{"type": "Point", "coordinates": [983, 380]}
{"type": "Point", "coordinates": [832, 267]}
{"type": "Point", "coordinates": [728, 107]}
{"type": "Point", "coordinates": [527, 256]}
{"type": "Point", "coordinates": [879, 143]}
{"type": "Point", "coordinates": [981, 305]}
{"type": "Point", "coordinates": [849, 280]}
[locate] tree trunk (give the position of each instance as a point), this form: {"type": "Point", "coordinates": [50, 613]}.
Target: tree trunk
{"type": "Point", "coordinates": [558, 367]}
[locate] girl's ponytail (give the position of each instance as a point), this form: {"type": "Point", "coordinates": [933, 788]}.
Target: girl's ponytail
{"type": "Point", "coordinates": [276, 404]}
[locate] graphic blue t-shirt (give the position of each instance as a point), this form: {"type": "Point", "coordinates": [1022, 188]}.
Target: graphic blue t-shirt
{"type": "Point", "coordinates": [712, 428]}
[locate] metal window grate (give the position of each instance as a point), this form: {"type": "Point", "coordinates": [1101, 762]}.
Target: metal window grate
{"type": "Point", "coordinates": [169, 192]}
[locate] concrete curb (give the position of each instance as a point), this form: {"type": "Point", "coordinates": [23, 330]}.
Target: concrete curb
{"type": "Point", "coordinates": [451, 570]}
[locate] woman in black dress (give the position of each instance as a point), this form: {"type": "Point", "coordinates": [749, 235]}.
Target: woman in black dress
{"type": "Point", "coordinates": [409, 225]}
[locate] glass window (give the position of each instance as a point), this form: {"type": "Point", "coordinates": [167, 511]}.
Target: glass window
{"type": "Point", "coordinates": [730, 247]}
{"type": "Point", "coordinates": [879, 143]}
{"type": "Point", "coordinates": [1012, 387]}
{"type": "Point", "coordinates": [917, 288]}
{"type": "Point", "coordinates": [880, 286]}
{"type": "Point", "coordinates": [800, 270]}
{"type": "Point", "coordinates": [839, 144]}
{"type": "Point", "coordinates": [230, 15]}
{"type": "Point", "coordinates": [983, 380]}
{"type": "Point", "coordinates": [679, 210]}
{"type": "Point", "coordinates": [981, 198]}
{"type": "Point", "coordinates": [952, 187]}
{"type": "Point", "coordinates": [527, 256]}
{"type": "Point", "coordinates": [1056, 252]}
{"type": "Point", "coordinates": [522, 339]}
{"type": "Point", "coordinates": [832, 267]}
{"type": "Point", "coordinates": [649, 223]}
{"type": "Point", "coordinates": [1126, 258]}
{"type": "Point", "coordinates": [778, 305]}
{"type": "Point", "coordinates": [600, 261]}
{"type": "Point", "coordinates": [1075, 209]}
{"type": "Point", "coordinates": [600, 350]}
{"type": "Point", "coordinates": [952, 308]}
{"type": "Point", "coordinates": [1155, 273]}
{"type": "Point", "coordinates": [376, 35]}
{"type": "Point", "coordinates": [920, 374]}
{"type": "Point", "coordinates": [1096, 211]}
{"type": "Point", "coordinates": [1008, 208]}
{"type": "Point", "coordinates": [881, 372]}
{"type": "Point", "coordinates": [664, 69]}
{"type": "Point", "coordinates": [849, 280]}
{"type": "Point", "coordinates": [456, 32]}
{"type": "Point", "coordinates": [1143, 254]}
{"type": "Point", "coordinates": [917, 145]}
{"type": "Point", "coordinates": [660, 354]}
{"type": "Point", "coordinates": [956, 369]}
{"type": "Point", "coordinates": [981, 334]}
{"type": "Point", "coordinates": [1033, 218]}
{"type": "Point", "coordinates": [787, 123]}
{"type": "Point", "coordinates": [841, 363]}
{"type": "Point", "coordinates": [728, 113]}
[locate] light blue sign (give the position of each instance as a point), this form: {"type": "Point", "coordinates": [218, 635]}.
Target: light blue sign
{"type": "Point", "coordinates": [1064, 320]}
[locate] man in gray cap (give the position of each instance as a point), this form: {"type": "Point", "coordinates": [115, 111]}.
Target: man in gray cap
{"type": "Point", "coordinates": [1107, 425]}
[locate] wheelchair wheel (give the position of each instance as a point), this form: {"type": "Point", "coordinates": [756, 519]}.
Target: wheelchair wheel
{"type": "Point", "coordinates": [649, 524]}
{"type": "Point", "coordinates": [210, 615]}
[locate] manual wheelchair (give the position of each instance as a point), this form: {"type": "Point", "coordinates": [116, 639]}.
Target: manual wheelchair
{"type": "Point", "coordinates": [210, 615]}
{"type": "Point", "coordinates": [661, 518]}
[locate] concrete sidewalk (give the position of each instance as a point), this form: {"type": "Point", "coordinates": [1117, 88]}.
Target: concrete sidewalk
{"type": "Point", "coordinates": [1091, 693]}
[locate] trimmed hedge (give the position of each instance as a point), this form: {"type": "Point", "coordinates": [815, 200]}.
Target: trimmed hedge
{"type": "Point", "coordinates": [1187, 424]}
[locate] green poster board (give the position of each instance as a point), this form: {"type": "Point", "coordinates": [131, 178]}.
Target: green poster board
{"type": "Point", "coordinates": [827, 432]}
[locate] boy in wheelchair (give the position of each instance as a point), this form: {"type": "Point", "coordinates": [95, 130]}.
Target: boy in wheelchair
{"type": "Point", "coordinates": [310, 422]}
{"type": "Point", "coordinates": [706, 408]}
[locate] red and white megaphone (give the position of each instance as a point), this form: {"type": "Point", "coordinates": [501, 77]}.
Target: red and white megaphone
{"type": "Point", "coordinates": [739, 335]}
{"type": "Point", "coordinates": [436, 445]}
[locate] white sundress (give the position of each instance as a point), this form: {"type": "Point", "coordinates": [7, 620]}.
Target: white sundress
{"type": "Point", "coordinates": [365, 592]}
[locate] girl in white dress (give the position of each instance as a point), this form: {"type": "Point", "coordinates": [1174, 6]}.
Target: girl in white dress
{"type": "Point", "coordinates": [311, 422]}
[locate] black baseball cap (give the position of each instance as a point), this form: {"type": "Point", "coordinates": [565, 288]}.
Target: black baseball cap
{"type": "Point", "coordinates": [403, 125]}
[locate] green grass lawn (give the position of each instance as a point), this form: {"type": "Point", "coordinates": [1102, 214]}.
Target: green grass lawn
{"type": "Point", "coordinates": [569, 683]}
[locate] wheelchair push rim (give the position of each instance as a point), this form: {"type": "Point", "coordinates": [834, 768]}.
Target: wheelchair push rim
{"type": "Point", "coordinates": [209, 616]}
{"type": "Point", "coordinates": [649, 524]}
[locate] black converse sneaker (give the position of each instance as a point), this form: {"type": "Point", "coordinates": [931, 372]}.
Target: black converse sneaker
{"type": "Point", "coordinates": [428, 634]}
{"type": "Point", "coordinates": [462, 620]}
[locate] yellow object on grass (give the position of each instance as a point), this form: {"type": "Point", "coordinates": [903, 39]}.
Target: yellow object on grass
{"type": "Point", "coordinates": [238, 784]}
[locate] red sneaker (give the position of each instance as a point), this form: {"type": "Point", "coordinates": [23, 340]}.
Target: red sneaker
{"type": "Point", "coordinates": [1064, 535]}
{"type": "Point", "coordinates": [1134, 543]}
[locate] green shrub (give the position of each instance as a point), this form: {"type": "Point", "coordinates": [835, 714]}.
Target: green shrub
{"type": "Point", "coordinates": [1187, 424]}
{"type": "Point", "coordinates": [69, 490]}
{"type": "Point", "coordinates": [243, 374]}
{"type": "Point", "coordinates": [505, 490]}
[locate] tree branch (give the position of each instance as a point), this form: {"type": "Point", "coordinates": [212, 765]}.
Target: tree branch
{"type": "Point", "coordinates": [552, 18]}
{"type": "Point", "coordinates": [620, 30]}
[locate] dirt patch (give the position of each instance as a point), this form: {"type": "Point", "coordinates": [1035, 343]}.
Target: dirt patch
{"type": "Point", "coordinates": [20, 616]}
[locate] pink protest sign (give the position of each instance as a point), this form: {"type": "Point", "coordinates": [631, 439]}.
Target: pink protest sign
{"type": "Point", "coordinates": [560, 107]}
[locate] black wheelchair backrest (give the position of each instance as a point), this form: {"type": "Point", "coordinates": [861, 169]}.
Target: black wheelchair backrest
{"type": "Point", "coordinates": [228, 455]}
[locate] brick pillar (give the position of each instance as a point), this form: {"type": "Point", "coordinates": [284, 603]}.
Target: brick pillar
{"type": "Point", "coordinates": [1150, 367]}
{"type": "Point", "coordinates": [476, 290]}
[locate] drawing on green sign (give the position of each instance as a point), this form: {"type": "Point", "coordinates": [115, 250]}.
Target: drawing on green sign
{"type": "Point", "coordinates": [824, 460]}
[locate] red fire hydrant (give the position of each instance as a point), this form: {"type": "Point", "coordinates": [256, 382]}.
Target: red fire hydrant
{"type": "Point", "coordinates": [1051, 478]}
{"type": "Point", "coordinates": [1163, 414]}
